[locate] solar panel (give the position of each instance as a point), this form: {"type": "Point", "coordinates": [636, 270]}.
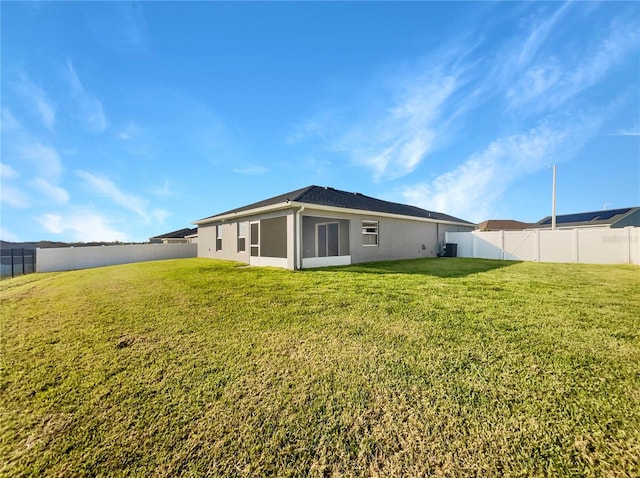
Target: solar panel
{"type": "Point", "coordinates": [580, 217]}
{"type": "Point", "coordinates": [613, 212]}
{"type": "Point", "coordinates": [586, 216]}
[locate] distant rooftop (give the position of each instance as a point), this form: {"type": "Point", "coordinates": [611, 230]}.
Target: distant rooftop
{"type": "Point", "coordinates": [179, 234]}
{"type": "Point", "coordinates": [502, 225]}
{"type": "Point", "coordinates": [623, 217]}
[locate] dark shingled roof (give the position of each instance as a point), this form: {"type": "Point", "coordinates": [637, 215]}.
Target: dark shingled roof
{"type": "Point", "coordinates": [179, 234]}
{"type": "Point", "coordinates": [324, 196]}
{"type": "Point", "coordinates": [502, 225]}
{"type": "Point", "coordinates": [606, 217]}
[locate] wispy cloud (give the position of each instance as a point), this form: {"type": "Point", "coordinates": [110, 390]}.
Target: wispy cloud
{"type": "Point", "coordinates": [41, 168]}
{"type": "Point", "coordinates": [394, 134]}
{"type": "Point", "coordinates": [9, 122]}
{"type": "Point", "coordinates": [320, 125]}
{"type": "Point", "coordinates": [535, 82]}
{"type": "Point", "coordinates": [51, 191]}
{"type": "Point", "coordinates": [104, 187]}
{"type": "Point", "coordinates": [7, 172]}
{"type": "Point", "coordinates": [135, 140]}
{"type": "Point", "coordinates": [130, 131]}
{"type": "Point", "coordinates": [396, 144]}
{"type": "Point", "coordinates": [84, 225]}
{"type": "Point", "coordinates": [473, 188]}
{"type": "Point", "coordinates": [520, 83]}
{"type": "Point", "coordinates": [35, 95]}
{"type": "Point", "coordinates": [626, 132]}
{"type": "Point", "coordinates": [164, 191]}
{"type": "Point", "coordinates": [121, 28]}
{"type": "Point", "coordinates": [89, 107]}
{"type": "Point", "coordinates": [540, 31]}
{"type": "Point", "coordinates": [254, 170]}
{"type": "Point", "coordinates": [13, 196]}
{"type": "Point", "coordinates": [133, 26]}
{"type": "Point", "coordinates": [552, 80]}
{"type": "Point", "coordinates": [44, 159]}
{"type": "Point", "coordinates": [7, 235]}
{"type": "Point", "coordinates": [401, 117]}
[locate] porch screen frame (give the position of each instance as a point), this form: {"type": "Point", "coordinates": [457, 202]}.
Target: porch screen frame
{"type": "Point", "coordinates": [254, 238]}
{"type": "Point", "coordinates": [327, 242]}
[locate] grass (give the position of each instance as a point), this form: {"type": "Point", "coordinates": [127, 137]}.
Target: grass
{"type": "Point", "coordinates": [444, 367]}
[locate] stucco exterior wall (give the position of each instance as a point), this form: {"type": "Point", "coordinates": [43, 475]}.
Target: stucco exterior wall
{"type": "Point", "coordinates": [397, 238]}
{"type": "Point", "coordinates": [229, 251]}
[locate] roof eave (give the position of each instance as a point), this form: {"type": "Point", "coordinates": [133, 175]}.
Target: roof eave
{"type": "Point", "coordinates": [344, 210]}
{"type": "Point", "coordinates": [367, 212]}
{"type": "Point", "coordinates": [248, 212]}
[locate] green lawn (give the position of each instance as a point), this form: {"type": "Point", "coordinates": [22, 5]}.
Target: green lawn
{"type": "Point", "coordinates": [443, 367]}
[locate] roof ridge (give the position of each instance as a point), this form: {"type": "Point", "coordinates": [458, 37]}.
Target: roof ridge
{"type": "Point", "coordinates": [303, 191]}
{"type": "Point", "coordinates": [375, 198]}
{"type": "Point", "coordinates": [329, 196]}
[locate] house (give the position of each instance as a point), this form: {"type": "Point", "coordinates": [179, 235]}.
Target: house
{"type": "Point", "coordinates": [502, 225]}
{"type": "Point", "coordinates": [181, 236]}
{"type": "Point", "coordinates": [321, 226]}
{"type": "Point", "coordinates": [611, 218]}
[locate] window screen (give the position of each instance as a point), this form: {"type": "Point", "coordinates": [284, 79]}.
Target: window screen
{"type": "Point", "coordinates": [369, 233]}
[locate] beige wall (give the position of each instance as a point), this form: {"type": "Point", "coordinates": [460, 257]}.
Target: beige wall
{"type": "Point", "coordinates": [207, 238]}
{"type": "Point", "coordinates": [397, 238]}
{"type": "Point", "coordinates": [229, 252]}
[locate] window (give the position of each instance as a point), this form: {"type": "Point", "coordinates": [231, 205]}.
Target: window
{"type": "Point", "coordinates": [369, 233]}
{"type": "Point", "coordinates": [242, 236]}
{"type": "Point", "coordinates": [219, 237]}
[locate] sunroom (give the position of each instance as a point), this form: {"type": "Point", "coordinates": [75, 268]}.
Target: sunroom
{"type": "Point", "coordinates": [325, 242]}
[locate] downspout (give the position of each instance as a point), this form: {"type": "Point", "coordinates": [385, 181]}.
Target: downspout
{"type": "Point", "coordinates": [299, 237]}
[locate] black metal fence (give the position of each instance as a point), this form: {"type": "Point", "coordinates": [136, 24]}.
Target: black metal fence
{"type": "Point", "coordinates": [15, 262]}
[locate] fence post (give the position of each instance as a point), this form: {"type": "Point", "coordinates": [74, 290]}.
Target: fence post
{"type": "Point", "coordinates": [627, 252]}
{"type": "Point", "coordinates": [473, 244]}
{"type": "Point", "coordinates": [12, 272]}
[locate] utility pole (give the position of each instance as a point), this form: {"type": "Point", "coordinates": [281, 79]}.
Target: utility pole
{"type": "Point", "coordinates": [553, 201]}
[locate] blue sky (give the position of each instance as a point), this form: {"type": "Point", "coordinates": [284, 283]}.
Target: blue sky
{"type": "Point", "coordinates": [121, 121]}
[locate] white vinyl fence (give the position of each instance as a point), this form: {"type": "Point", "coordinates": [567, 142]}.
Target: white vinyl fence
{"type": "Point", "coordinates": [72, 258]}
{"type": "Point", "coordinates": [590, 246]}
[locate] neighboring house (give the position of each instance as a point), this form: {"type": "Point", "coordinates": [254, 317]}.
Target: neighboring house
{"type": "Point", "coordinates": [612, 218]}
{"type": "Point", "coordinates": [320, 226]}
{"type": "Point", "coordinates": [182, 236]}
{"type": "Point", "coordinates": [502, 225]}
